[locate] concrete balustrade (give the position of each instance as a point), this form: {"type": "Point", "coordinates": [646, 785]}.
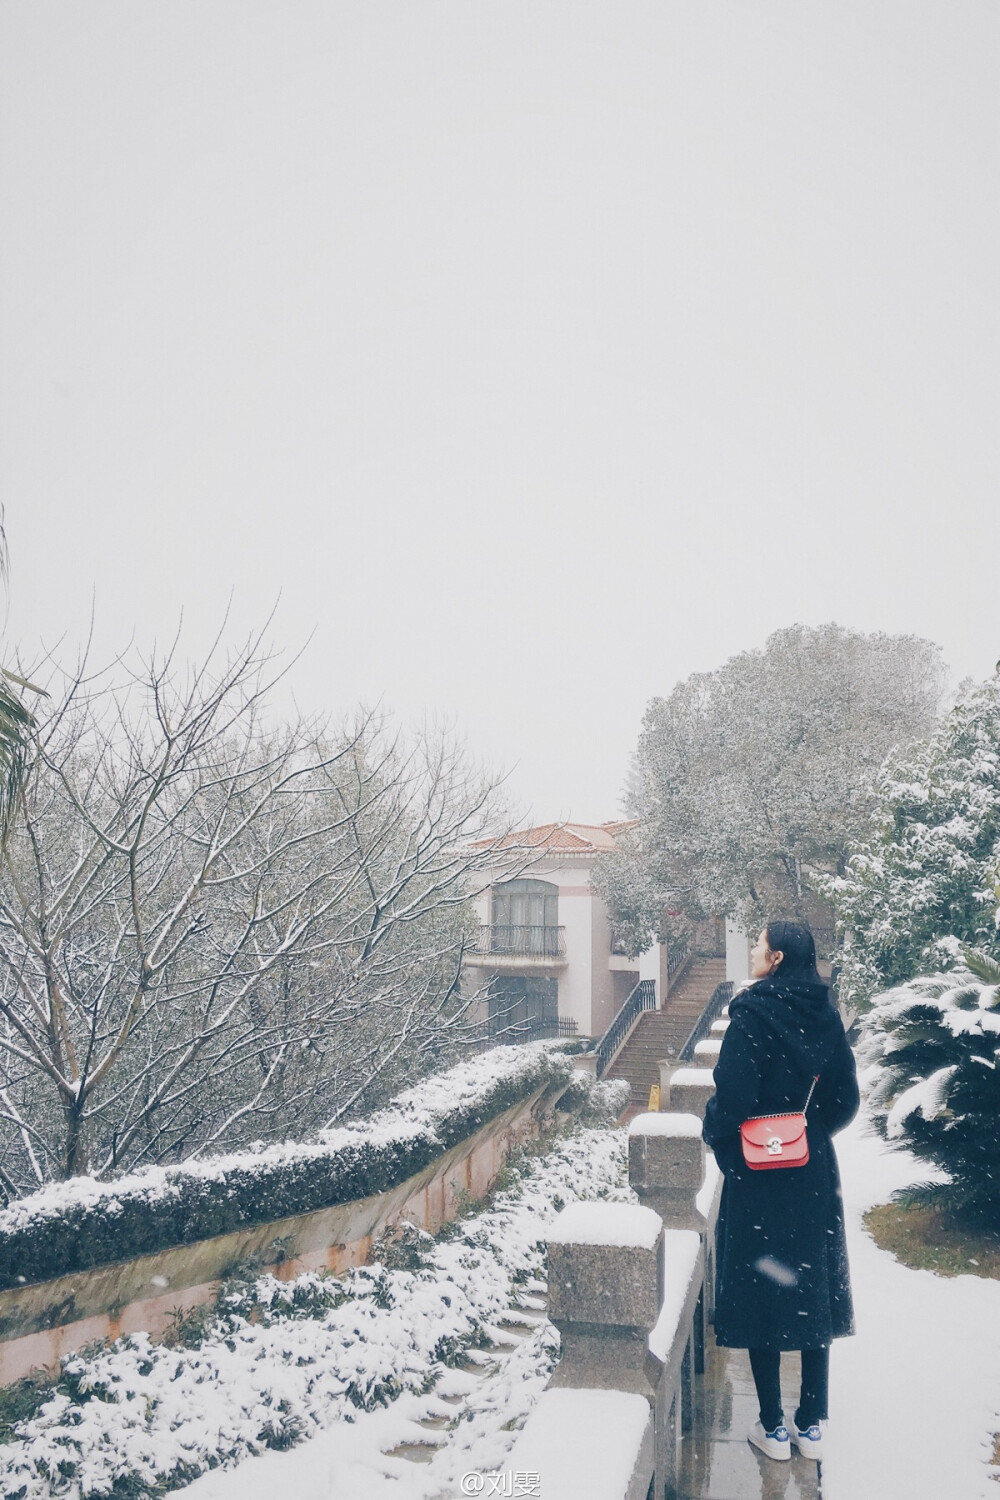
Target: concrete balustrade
{"type": "Point", "coordinates": [583, 1443]}
{"type": "Point", "coordinates": [585, 1062]}
{"type": "Point", "coordinates": [677, 1345]}
{"type": "Point", "coordinates": [672, 1172]}
{"type": "Point", "coordinates": [667, 1173]}
{"type": "Point", "coordinates": [629, 1294]}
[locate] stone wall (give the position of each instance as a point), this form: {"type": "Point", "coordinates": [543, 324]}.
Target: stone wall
{"type": "Point", "coordinates": [45, 1320]}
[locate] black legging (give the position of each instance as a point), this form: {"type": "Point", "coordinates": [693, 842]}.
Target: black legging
{"type": "Point", "coordinates": [766, 1367]}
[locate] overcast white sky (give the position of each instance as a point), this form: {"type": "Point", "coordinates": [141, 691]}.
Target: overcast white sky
{"type": "Point", "coordinates": [538, 352]}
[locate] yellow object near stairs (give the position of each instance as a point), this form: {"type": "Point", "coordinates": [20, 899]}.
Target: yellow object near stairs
{"type": "Point", "coordinates": [654, 1098]}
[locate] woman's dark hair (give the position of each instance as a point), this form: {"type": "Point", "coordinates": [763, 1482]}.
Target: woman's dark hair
{"type": "Point", "coordinates": [795, 942]}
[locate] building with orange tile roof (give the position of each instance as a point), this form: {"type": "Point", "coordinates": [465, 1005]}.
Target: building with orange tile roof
{"type": "Point", "coordinates": [545, 951]}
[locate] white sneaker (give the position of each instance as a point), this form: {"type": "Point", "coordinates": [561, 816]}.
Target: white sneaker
{"type": "Point", "coordinates": [808, 1440]}
{"type": "Point", "coordinates": [775, 1444]}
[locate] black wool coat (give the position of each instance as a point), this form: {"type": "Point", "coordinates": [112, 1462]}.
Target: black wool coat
{"type": "Point", "coordinates": [782, 1278]}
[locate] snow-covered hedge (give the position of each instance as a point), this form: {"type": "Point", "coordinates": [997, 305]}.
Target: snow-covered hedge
{"type": "Point", "coordinates": [285, 1361]}
{"type": "Point", "coordinates": [933, 1047]}
{"type": "Point", "coordinates": [74, 1225]}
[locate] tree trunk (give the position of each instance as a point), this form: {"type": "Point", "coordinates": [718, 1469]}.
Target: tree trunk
{"type": "Point", "coordinates": [77, 1162]}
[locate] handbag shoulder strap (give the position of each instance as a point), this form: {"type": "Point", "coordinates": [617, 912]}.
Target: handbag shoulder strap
{"type": "Point", "coordinates": [814, 1083]}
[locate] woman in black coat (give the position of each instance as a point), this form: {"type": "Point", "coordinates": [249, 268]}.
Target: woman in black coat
{"type": "Point", "coordinates": [782, 1280]}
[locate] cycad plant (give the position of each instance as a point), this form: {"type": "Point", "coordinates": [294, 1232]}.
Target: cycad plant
{"type": "Point", "coordinates": [16, 726]}
{"type": "Point", "coordinates": [983, 965]}
{"type": "Point", "coordinates": [936, 1045]}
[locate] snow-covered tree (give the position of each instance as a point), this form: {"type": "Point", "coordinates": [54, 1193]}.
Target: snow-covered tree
{"type": "Point", "coordinates": [752, 779]}
{"type": "Point", "coordinates": [935, 1046]}
{"type": "Point", "coordinates": [926, 878]}
{"type": "Point", "coordinates": [217, 929]}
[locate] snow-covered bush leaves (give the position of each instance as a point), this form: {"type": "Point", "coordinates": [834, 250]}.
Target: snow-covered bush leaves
{"type": "Point", "coordinates": [283, 1360]}
{"type": "Point", "coordinates": [72, 1225]}
{"type": "Point", "coordinates": [933, 1050]}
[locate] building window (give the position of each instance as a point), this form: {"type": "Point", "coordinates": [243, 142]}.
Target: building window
{"type": "Point", "coordinates": [526, 903]}
{"type": "Point", "coordinates": [523, 1008]}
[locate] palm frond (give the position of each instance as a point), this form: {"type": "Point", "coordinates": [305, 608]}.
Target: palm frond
{"type": "Point", "coordinates": [982, 965]}
{"type": "Point", "coordinates": [17, 725]}
{"type": "Point", "coordinates": [4, 553]}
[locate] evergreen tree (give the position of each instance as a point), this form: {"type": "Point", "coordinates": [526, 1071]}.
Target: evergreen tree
{"type": "Point", "coordinates": [935, 1043]}
{"type": "Point", "coordinates": [927, 879]}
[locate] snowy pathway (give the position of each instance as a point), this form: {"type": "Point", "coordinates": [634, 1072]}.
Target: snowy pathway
{"type": "Point", "coordinates": [418, 1448]}
{"type": "Point", "coordinates": [915, 1395]}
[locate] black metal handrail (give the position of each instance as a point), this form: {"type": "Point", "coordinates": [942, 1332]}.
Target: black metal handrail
{"type": "Point", "coordinates": [720, 998]}
{"type": "Point", "coordinates": [643, 997]}
{"type": "Point", "coordinates": [535, 941]}
{"type": "Point", "coordinates": [678, 954]}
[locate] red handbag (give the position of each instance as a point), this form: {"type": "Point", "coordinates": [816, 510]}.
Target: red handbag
{"type": "Point", "coordinates": [776, 1140]}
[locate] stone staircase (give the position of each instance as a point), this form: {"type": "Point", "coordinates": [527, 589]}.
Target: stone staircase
{"type": "Point", "coordinates": [662, 1033]}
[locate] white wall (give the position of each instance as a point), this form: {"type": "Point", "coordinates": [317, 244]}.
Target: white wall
{"type": "Point", "coordinates": [653, 965]}
{"type": "Point", "coordinates": [737, 953]}
{"type": "Point", "coordinates": [602, 984]}
{"type": "Point", "coordinates": [576, 902]}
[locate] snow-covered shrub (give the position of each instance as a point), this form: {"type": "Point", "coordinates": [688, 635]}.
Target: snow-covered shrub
{"type": "Point", "coordinates": [927, 879]}
{"type": "Point", "coordinates": [595, 1103]}
{"type": "Point", "coordinates": [73, 1225]}
{"type": "Point", "coordinates": [280, 1361]}
{"type": "Point", "coordinates": [933, 1045]}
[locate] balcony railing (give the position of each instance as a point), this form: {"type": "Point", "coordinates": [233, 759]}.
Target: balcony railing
{"type": "Point", "coordinates": [534, 1029]}
{"type": "Point", "coordinates": [521, 942]}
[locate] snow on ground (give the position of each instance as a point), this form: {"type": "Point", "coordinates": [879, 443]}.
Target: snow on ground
{"type": "Point", "coordinates": [601, 1224]}
{"type": "Point", "coordinates": [677, 1126]}
{"type": "Point", "coordinates": [915, 1394]}
{"type": "Point", "coordinates": [566, 1441]}
{"type": "Point", "coordinates": [333, 1381]}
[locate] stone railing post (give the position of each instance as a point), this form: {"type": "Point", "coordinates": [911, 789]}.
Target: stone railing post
{"type": "Point", "coordinates": [597, 1416]}
{"type": "Point", "coordinates": [666, 1166]}
{"type": "Point", "coordinates": [605, 1278]}
{"type": "Point", "coordinates": [688, 1090]}
{"type": "Point", "coordinates": [585, 1062]}
{"type": "Point", "coordinates": [670, 1176]}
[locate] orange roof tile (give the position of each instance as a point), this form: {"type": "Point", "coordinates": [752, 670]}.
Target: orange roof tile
{"type": "Point", "coordinates": [568, 838]}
